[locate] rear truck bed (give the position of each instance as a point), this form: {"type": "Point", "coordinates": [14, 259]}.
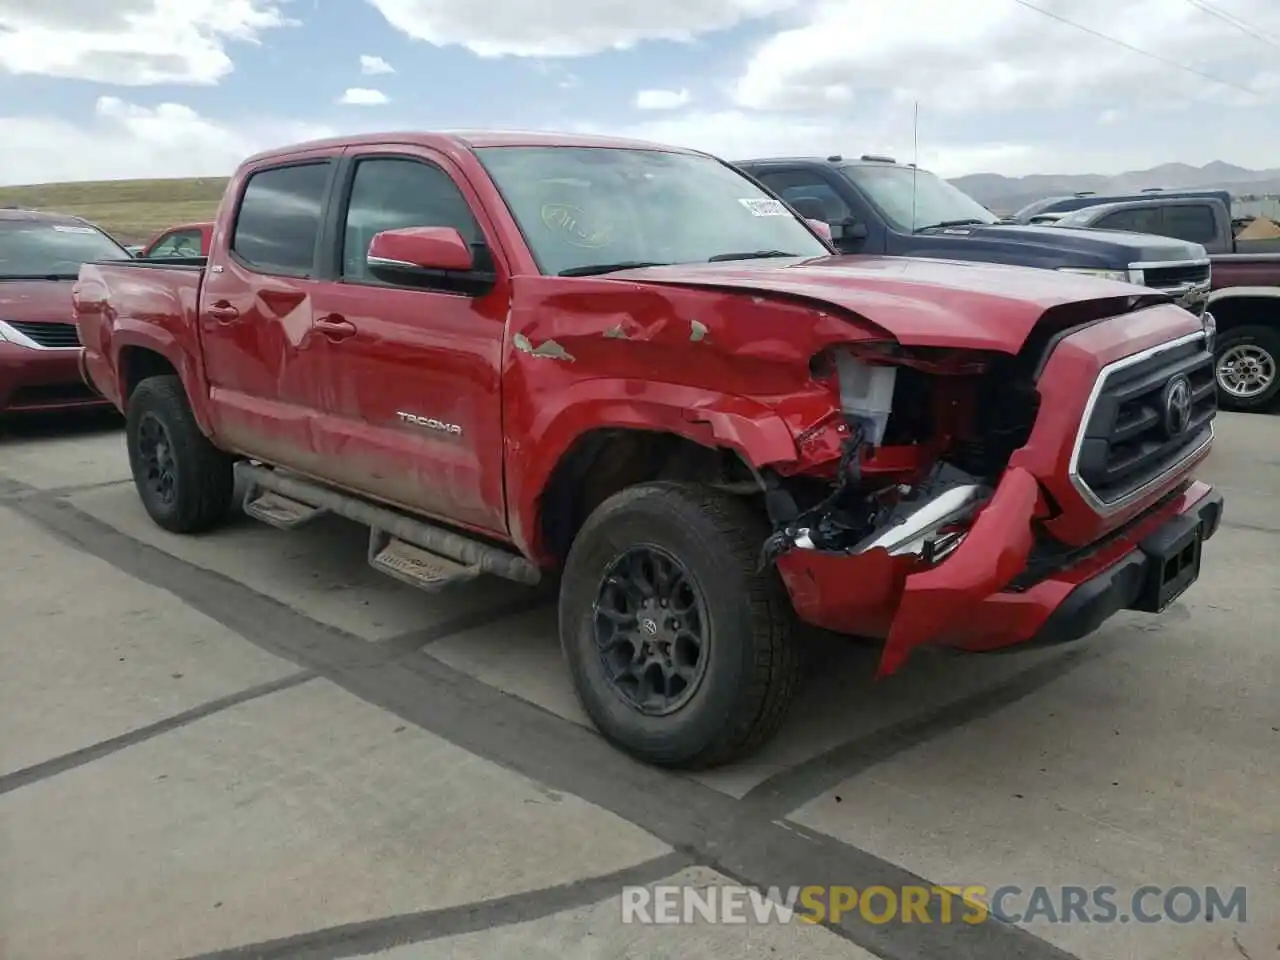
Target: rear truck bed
{"type": "Point", "coordinates": [121, 348]}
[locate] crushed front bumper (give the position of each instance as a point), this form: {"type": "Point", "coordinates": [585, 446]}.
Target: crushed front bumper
{"type": "Point", "coordinates": [980, 598]}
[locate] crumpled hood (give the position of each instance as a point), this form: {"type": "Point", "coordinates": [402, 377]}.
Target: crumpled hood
{"type": "Point", "coordinates": [919, 302]}
{"type": "Point", "coordinates": [37, 301]}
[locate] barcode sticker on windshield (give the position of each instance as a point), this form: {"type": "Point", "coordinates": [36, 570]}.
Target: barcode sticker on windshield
{"type": "Point", "coordinates": [64, 228]}
{"type": "Point", "coordinates": [764, 207]}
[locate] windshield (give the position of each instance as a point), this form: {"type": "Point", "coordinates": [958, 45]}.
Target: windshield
{"type": "Point", "coordinates": [39, 248]}
{"type": "Point", "coordinates": [580, 207]}
{"type": "Point", "coordinates": [914, 199]}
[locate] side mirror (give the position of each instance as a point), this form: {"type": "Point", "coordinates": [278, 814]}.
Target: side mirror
{"type": "Point", "coordinates": [850, 232]}
{"type": "Point", "coordinates": [821, 227]}
{"type": "Point", "coordinates": [412, 251]}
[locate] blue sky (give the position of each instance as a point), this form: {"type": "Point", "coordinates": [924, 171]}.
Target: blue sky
{"type": "Point", "coordinates": [95, 89]}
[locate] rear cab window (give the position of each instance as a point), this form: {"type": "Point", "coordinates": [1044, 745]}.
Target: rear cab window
{"type": "Point", "coordinates": [279, 220]}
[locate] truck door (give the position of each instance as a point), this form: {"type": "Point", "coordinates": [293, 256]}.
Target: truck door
{"type": "Point", "coordinates": [409, 407]}
{"type": "Point", "coordinates": [255, 309]}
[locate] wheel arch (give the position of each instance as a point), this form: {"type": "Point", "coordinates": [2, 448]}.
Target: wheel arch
{"type": "Point", "coordinates": [556, 479]}
{"type": "Point", "coordinates": [1245, 307]}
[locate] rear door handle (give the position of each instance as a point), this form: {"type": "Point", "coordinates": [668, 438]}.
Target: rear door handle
{"type": "Point", "coordinates": [223, 312]}
{"type": "Point", "coordinates": [335, 327]}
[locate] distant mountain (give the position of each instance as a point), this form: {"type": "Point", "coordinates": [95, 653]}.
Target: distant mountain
{"type": "Point", "coordinates": [1007, 194]}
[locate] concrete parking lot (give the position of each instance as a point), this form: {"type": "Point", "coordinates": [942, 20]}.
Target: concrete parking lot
{"type": "Point", "coordinates": [249, 744]}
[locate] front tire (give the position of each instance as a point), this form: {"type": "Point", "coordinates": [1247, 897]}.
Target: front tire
{"type": "Point", "coordinates": [185, 483]}
{"type": "Point", "coordinates": [1247, 368]}
{"type": "Point", "coordinates": [704, 672]}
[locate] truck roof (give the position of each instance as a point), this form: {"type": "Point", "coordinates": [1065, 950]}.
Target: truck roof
{"type": "Point", "coordinates": [466, 140]}
{"type": "Point", "coordinates": [1077, 201]}
{"type": "Point", "coordinates": [1152, 201]}
{"type": "Point", "coordinates": [835, 160]}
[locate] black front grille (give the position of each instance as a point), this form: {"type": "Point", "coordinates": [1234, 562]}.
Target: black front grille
{"type": "Point", "coordinates": [1175, 275]}
{"type": "Point", "coordinates": [1133, 435]}
{"type": "Point", "coordinates": [49, 334]}
{"type": "Point", "coordinates": [1006, 406]}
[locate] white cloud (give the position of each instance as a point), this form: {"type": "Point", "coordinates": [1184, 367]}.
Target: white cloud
{"type": "Point", "coordinates": [662, 99]}
{"type": "Point", "coordinates": [533, 28]}
{"type": "Point", "coordinates": [742, 135]}
{"type": "Point", "coordinates": [124, 141]}
{"type": "Point", "coordinates": [131, 42]}
{"type": "Point", "coordinates": [371, 66]}
{"type": "Point", "coordinates": [987, 56]}
{"type": "Point", "coordinates": [362, 97]}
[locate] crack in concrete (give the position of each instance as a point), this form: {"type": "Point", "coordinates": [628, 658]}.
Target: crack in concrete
{"type": "Point", "coordinates": [104, 748]}
{"type": "Point", "coordinates": [372, 936]}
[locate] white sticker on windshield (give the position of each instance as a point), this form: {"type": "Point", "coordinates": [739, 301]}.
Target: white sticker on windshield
{"type": "Point", "coordinates": [764, 207]}
{"type": "Point", "coordinates": [64, 228]}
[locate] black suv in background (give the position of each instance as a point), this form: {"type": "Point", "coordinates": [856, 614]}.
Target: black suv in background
{"type": "Point", "coordinates": [875, 205]}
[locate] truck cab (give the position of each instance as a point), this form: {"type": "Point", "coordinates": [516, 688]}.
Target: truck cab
{"type": "Point", "coordinates": [878, 206]}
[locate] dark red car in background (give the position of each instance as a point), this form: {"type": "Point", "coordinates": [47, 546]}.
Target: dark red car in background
{"type": "Point", "coordinates": [40, 258]}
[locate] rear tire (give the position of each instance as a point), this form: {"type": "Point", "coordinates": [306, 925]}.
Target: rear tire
{"type": "Point", "coordinates": [1247, 368]}
{"type": "Point", "coordinates": [734, 695]}
{"type": "Point", "coordinates": [185, 483]}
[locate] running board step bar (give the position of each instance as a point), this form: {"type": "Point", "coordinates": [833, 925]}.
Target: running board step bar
{"type": "Point", "coordinates": [406, 547]}
{"type": "Point", "coordinates": [415, 566]}
{"type": "Point", "coordinates": [279, 511]}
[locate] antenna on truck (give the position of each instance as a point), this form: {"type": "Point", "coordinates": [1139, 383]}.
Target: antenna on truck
{"type": "Point", "coordinates": [915, 160]}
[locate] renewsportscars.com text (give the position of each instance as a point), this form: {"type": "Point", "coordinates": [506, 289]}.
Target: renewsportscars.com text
{"type": "Point", "coordinates": [945, 904]}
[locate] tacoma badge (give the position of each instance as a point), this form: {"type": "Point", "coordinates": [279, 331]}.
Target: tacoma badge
{"type": "Point", "coordinates": [431, 423]}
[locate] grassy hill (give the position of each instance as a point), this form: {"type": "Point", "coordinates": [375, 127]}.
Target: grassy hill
{"type": "Point", "coordinates": [131, 210]}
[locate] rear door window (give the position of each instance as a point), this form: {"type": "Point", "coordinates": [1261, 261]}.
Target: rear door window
{"type": "Point", "coordinates": [1139, 220]}
{"type": "Point", "coordinates": [278, 225]}
{"type": "Point", "coordinates": [810, 190]}
{"type": "Point", "coordinates": [1193, 222]}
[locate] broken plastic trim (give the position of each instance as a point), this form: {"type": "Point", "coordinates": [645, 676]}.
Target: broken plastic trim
{"type": "Point", "coordinates": [922, 530]}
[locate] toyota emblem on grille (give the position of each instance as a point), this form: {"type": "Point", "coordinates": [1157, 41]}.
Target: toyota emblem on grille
{"type": "Point", "coordinates": [1177, 406]}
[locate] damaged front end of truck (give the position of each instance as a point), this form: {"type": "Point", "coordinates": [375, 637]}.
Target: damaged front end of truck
{"type": "Point", "coordinates": [906, 427]}
{"type": "Point", "coordinates": [922, 517]}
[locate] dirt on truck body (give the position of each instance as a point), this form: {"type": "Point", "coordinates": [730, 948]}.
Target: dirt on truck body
{"type": "Point", "coordinates": [514, 354]}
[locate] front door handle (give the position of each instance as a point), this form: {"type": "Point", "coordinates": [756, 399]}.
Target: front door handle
{"type": "Point", "coordinates": [223, 312]}
{"type": "Point", "coordinates": [335, 327]}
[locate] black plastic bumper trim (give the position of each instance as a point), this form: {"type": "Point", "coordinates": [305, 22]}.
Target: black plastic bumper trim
{"type": "Point", "coordinates": [1120, 586]}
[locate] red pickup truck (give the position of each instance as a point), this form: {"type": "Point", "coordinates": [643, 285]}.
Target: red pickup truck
{"type": "Point", "coordinates": [522, 354]}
